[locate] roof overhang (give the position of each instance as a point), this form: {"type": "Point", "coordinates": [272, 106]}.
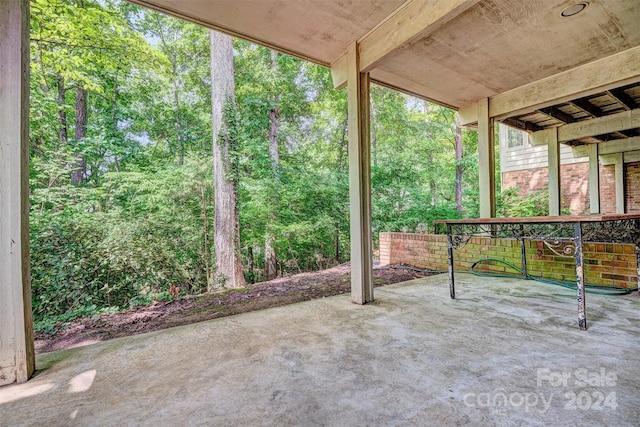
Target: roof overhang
{"type": "Point", "coordinates": [524, 57]}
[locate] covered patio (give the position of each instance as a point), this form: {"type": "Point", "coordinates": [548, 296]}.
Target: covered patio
{"type": "Point", "coordinates": [506, 352]}
{"type": "Point", "coordinates": [492, 60]}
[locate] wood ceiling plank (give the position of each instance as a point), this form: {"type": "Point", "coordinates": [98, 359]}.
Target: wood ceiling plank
{"type": "Point", "coordinates": [557, 114]}
{"type": "Point", "coordinates": [629, 133]}
{"type": "Point", "coordinates": [587, 107]}
{"type": "Point", "coordinates": [623, 98]}
{"type": "Point", "coordinates": [522, 125]}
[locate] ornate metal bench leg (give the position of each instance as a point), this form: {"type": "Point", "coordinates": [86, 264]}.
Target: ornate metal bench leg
{"type": "Point", "coordinates": [452, 287]}
{"type": "Point", "coordinates": [523, 257]}
{"type": "Point", "coordinates": [638, 265]}
{"type": "Point", "coordinates": [582, 316]}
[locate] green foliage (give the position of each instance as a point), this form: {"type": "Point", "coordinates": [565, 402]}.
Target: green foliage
{"type": "Point", "coordinates": [414, 165]}
{"type": "Point", "coordinates": [122, 244]}
{"type": "Point", "coordinates": [142, 219]}
{"type": "Point", "coordinates": [511, 203]}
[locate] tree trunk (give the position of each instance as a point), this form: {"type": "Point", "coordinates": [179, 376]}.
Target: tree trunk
{"type": "Point", "coordinates": [205, 229]}
{"type": "Point", "coordinates": [270, 255]}
{"type": "Point", "coordinates": [226, 223]}
{"type": "Point", "coordinates": [250, 265]}
{"type": "Point", "coordinates": [432, 182]}
{"type": "Point", "coordinates": [374, 138]}
{"type": "Point", "coordinates": [178, 120]}
{"type": "Point", "coordinates": [343, 158]}
{"type": "Point", "coordinates": [79, 170]}
{"type": "Point", "coordinates": [458, 168]}
{"type": "Point", "coordinates": [274, 119]}
{"type": "Point", "coordinates": [270, 258]}
{"type": "Point", "coordinates": [336, 237]}
{"type": "Point", "coordinates": [62, 115]}
{"type": "Point", "coordinates": [374, 148]}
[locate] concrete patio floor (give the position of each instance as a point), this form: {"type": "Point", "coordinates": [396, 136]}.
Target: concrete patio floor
{"type": "Point", "coordinates": [507, 352]}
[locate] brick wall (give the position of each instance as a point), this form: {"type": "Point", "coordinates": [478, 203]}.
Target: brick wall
{"type": "Point", "coordinates": [632, 187]}
{"type": "Point", "coordinates": [574, 184]}
{"type": "Point", "coordinates": [528, 180]}
{"type": "Point", "coordinates": [605, 264]}
{"type": "Point", "coordinates": [607, 189]}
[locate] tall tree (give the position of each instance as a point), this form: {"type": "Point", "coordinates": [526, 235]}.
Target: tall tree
{"type": "Point", "coordinates": [270, 256]}
{"type": "Point", "coordinates": [225, 164]}
{"type": "Point", "coordinates": [459, 167]}
{"type": "Point", "coordinates": [80, 169]}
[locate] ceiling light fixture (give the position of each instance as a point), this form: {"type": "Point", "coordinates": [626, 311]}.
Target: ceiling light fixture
{"type": "Point", "coordinates": [574, 10]}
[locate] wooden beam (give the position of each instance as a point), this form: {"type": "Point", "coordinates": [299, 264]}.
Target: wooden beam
{"type": "Point", "coordinates": [630, 133]}
{"type": "Point", "coordinates": [339, 72]}
{"type": "Point", "coordinates": [522, 125]}
{"type": "Point", "coordinates": [17, 356]}
{"type": "Point", "coordinates": [557, 114]}
{"type": "Point", "coordinates": [543, 137]}
{"type": "Point", "coordinates": [631, 156]}
{"type": "Point", "coordinates": [486, 161]}
{"type": "Point", "coordinates": [600, 126]}
{"type": "Point", "coordinates": [588, 79]}
{"type": "Point", "coordinates": [613, 147]}
{"type": "Point", "coordinates": [468, 115]}
{"type": "Point", "coordinates": [359, 119]}
{"type": "Point", "coordinates": [604, 137]}
{"type": "Point", "coordinates": [587, 107]}
{"type": "Point", "coordinates": [404, 85]}
{"type": "Point", "coordinates": [627, 102]}
{"type": "Point", "coordinates": [414, 20]}
{"type": "Point", "coordinates": [594, 179]}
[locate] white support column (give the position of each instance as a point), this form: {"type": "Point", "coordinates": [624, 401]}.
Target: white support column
{"type": "Point", "coordinates": [594, 179]}
{"type": "Point", "coordinates": [17, 357]}
{"type": "Point", "coordinates": [359, 180]}
{"type": "Point", "coordinates": [554, 172]}
{"type": "Point", "coordinates": [619, 178]}
{"type": "Point", "coordinates": [486, 160]}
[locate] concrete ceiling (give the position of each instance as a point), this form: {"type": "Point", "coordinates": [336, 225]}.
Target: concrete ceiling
{"type": "Point", "coordinates": [318, 31]}
{"type": "Point", "coordinates": [469, 50]}
{"type": "Point", "coordinates": [498, 45]}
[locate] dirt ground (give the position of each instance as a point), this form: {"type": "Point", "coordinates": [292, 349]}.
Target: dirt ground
{"type": "Point", "coordinates": [185, 310]}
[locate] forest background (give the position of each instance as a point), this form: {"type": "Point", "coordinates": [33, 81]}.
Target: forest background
{"type": "Point", "coordinates": [121, 161]}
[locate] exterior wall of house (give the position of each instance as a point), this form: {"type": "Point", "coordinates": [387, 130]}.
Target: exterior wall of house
{"type": "Point", "coordinates": [524, 165]}
{"type": "Point", "coordinates": [605, 264]}
{"type": "Point", "coordinates": [517, 153]}
{"type": "Point", "coordinates": [607, 189]}
{"type": "Point", "coordinates": [632, 187]}
{"type": "Point", "coordinates": [574, 178]}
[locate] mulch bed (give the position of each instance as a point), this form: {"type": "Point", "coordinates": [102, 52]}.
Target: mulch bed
{"type": "Point", "coordinates": [191, 309]}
